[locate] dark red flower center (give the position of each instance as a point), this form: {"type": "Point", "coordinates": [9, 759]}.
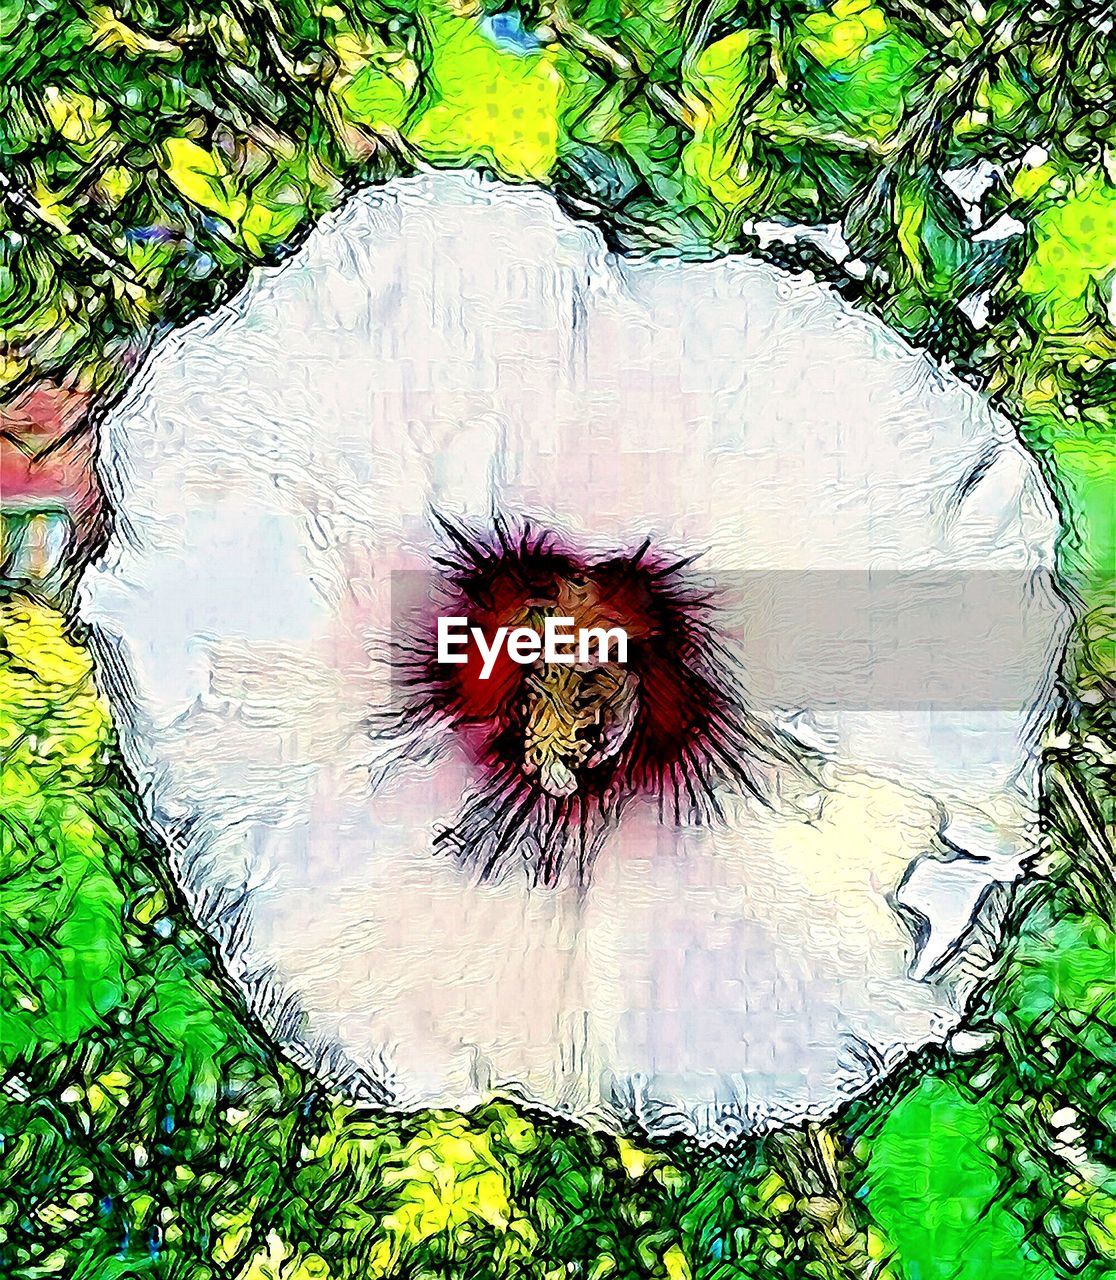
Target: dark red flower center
{"type": "Point", "coordinates": [561, 744]}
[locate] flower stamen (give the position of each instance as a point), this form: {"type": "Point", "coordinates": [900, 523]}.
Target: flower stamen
{"type": "Point", "coordinates": [575, 717]}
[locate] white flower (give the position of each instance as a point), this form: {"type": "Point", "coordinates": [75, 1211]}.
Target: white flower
{"type": "Point", "coordinates": [449, 379]}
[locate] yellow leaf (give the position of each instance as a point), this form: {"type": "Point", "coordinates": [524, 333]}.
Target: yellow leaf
{"type": "Point", "coordinates": [203, 179]}
{"type": "Point", "coordinates": [488, 104]}
{"type": "Point", "coordinates": [635, 1160]}
{"type": "Point", "coordinates": [115, 183]}
{"type": "Point", "coordinates": [110, 33]}
{"type": "Point", "coordinates": [51, 206]}
{"type": "Point", "coordinates": [675, 1264]}
{"type": "Point", "coordinates": [36, 640]}
{"type": "Point", "coordinates": [76, 116]}
{"type": "Point", "coordinates": [279, 1261]}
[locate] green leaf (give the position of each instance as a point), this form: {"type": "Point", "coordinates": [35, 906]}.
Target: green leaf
{"type": "Point", "coordinates": [651, 28]}
{"type": "Point", "coordinates": [1087, 473]}
{"type": "Point", "coordinates": [859, 67]}
{"type": "Point", "coordinates": [1069, 275]}
{"type": "Point", "coordinates": [203, 179]}
{"type": "Point", "coordinates": [276, 207]}
{"type": "Point", "coordinates": [486, 104]}
{"type": "Point", "coordinates": [931, 237]}
{"type": "Point", "coordinates": [61, 932]}
{"type": "Point", "coordinates": [933, 1186]}
{"type": "Point", "coordinates": [1066, 968]}
{"type": "Point", "coordinates": [375, 98]}
{"type": "Point", "coordinates": [720, 176]}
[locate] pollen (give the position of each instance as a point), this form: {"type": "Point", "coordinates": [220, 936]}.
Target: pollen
{"type": "Point", "coordinates": [575, 718]}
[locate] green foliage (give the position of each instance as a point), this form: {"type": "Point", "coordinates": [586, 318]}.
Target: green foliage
{"type": "Point", "coordinates": [1000, 1164]}
{"type": "Point", "coordinates": [861, 68]}
{"type": "Point", "coordinates": [936, 1186]}
{"type": "Point", "coordinates": [1068, 278]}
{"type": "Point", "coordinates": [486, 105]}
{"type": "Point", "coordinates": [155, 152]}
